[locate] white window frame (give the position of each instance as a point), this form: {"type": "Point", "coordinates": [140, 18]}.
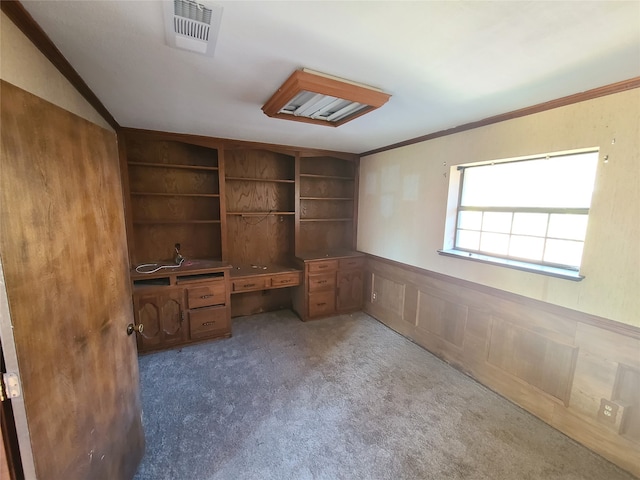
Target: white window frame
{"type": "Point", "coordinates": [452, 225]}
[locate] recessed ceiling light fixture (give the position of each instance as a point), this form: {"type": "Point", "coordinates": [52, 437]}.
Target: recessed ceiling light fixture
{"type": "Point", "coordinates": [313, 97]}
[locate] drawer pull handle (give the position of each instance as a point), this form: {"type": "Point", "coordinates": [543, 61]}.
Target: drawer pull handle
{"type": "Point", "coordinates": [206, 296]}
{"type": "Point", "coordinates": [247, 285]}
{"type": "Point", "coordinates": [322, 281]}
{"type": "Point", "coordinates": [285, 281]}
{"type": "Point", "coordinates": [207, 324]}
{"type": "Point", "coordinates": [321, 304]}
{"type": "Point", "coordinates": [322, 266]}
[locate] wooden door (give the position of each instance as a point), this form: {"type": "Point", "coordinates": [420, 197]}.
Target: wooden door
{"type": "Point", "coordinates": [63, 248]}
{"type": "Point", "coordinates": [350, 285]}
{"type": "Point", "coordinates": [162, 315]}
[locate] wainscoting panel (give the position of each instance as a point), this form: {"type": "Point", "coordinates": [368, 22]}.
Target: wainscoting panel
{"type": "Point", "coordinates": [561, 365]}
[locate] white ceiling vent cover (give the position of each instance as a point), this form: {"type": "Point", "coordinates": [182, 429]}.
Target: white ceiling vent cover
{"type": "Point", "coordinates": [192, 26]}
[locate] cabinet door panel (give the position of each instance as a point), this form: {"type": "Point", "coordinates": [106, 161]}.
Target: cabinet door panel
{"type": "Point", "coordinates": [350, 285]}
{"type": "Point", "coordinates": [162, 318]}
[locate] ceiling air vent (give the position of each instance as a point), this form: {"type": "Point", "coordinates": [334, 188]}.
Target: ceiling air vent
{"type": "Point", "coordinates": [313, 97]}
{"type": "Point", "coordinates": [192, 26]}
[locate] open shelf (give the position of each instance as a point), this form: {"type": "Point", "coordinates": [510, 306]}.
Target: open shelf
{"type": "Point", "coordinates": [337, 199]}
{"type": "Point", "coordinates": [175, 222]}
{"type": "Point", "coordinates": [162, 194]}
{"type": "Point", "coordinates": [252, 179]}
{"type": "Point", "coordinates": [326, 219]}
{"type": "Point", "coordinates": [259, 214]}
{"type": "Point", "coordinates": [172, 165]}
{"type": "Point", "coordinates": [325, 177]}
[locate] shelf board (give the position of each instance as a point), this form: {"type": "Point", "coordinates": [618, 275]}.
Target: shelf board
{"type": "Point", "coordinates": [173, 222]}
{"type": "Point", "coordinates": [326, 219]}
{"type": "Point", "coordinates": [259, 214]}
{"type": "Point", "coordinates": [326, 177]}
{"type": "Point", "coordinates": [159, 194]}
{"type": "Point", "coordinates": [173, 165]}
{"type": "Point", "coordinates": [251, 179]}
{"type": "Point", "coordinates": [335, 199]}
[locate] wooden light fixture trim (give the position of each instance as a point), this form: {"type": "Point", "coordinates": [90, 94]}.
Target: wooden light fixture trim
{"type": "Point", "coordinates": [314, 82]}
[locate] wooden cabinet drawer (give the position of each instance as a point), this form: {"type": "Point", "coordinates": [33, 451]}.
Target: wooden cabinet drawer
{"type": "Point", "coordinates": [322, 303]}
{"type": "Point", "coordinates": [247, 284]}
{"type": "Point", "coordinates": [323, 266]}
{"type": "Point", "coordinates": [209, 322]}
{"type": "Point", "coordinates": [351, 263]}
{"type": "Point", "coordinates": [285, 279]}
{"type": "Point", "coordinates": [207, 295]}
{"type": "Point", "coordinates": [325, 281]}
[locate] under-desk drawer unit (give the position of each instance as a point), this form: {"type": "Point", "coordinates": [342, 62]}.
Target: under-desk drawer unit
{"type": "Point", "coordinates": [285, 279]}
{"type": "Point", "coordinates": [325, 281]}
{"type": "Point", "coordinates": [347, 263]}
{"type": "Point", "coordinates": [208, 322]}
{"type": "Point", "coordinates": [322, 303]}
{"type": "Point", "coordinates": [322, 266]}
{"type": "Point", "coordinates": [248, 284]}
{"type": "Point", "coordinates": [207, 295]}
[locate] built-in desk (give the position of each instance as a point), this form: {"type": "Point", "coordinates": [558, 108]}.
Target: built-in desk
{"type": "Point", "coordinates": [257, 288]}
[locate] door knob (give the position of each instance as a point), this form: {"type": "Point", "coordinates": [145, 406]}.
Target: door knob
{"type": "Point", "coordinates": [134, 328]}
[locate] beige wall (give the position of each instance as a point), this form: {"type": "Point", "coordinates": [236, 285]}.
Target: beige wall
{"type": "Point", "coordinates": [403, 203]}
{"type": "Point", "coordinates": [22, 64]}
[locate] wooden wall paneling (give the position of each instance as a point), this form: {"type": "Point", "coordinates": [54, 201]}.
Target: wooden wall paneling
{"type": "Point", "coordinates": [324, 236]}
{"type": "Point", "coordinates": [170, 153]}
{"type": "Point", "coordinates": [154, 208]}
{"type": "Point", "coordinates": [259, 164]}
{"type": "Point", "coordinates": [326, 209]}
{"type": "Point", "coordinates": [320, 187]}
{"type": "Point", "coordinates": [554, 362]}
{"type": "Point", "coordinates": [260, 240]}
{"type": "Point", "coordinates": [533, 358]}
{"type": "Point", "coordinates": [445, 319]}
{"type": "Point", "coordinates": [259, 197]}
{"type": "Point", "coordinates": [170, 180]}
{"type": "Point", "coordinates": [626, 393]}
{"type": "Point", "coordinates": [202, 241]}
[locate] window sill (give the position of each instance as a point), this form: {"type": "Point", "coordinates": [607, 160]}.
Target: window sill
{"type": "Point", "coordinates": [515, 264]}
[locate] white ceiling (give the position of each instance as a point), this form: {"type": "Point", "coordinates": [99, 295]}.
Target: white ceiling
{"type": "Point", "coordinates": [445, 63]}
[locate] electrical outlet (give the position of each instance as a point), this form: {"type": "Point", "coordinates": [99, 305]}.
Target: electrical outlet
{"type": "Point", "coordinates": [374, 297]}
{"type": "Point", "coordinates": [608, 411]}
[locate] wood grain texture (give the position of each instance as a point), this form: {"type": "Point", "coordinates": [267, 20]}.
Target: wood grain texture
{"type": "Point", "coordinates": [64, 251]}
{"type": "Point", "coordinates": [262, 240]}
{"type": "Point", "coordinates": [155, 242]}
{"type": "Point", "coordinates": [543, 358]}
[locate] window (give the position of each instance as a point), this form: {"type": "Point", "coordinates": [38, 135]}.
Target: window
{"type": "Point", "coordinates": [530, 214]}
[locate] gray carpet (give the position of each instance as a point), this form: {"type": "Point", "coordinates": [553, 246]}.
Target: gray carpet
{"type": "Point", "coordinates": [340, 398]}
